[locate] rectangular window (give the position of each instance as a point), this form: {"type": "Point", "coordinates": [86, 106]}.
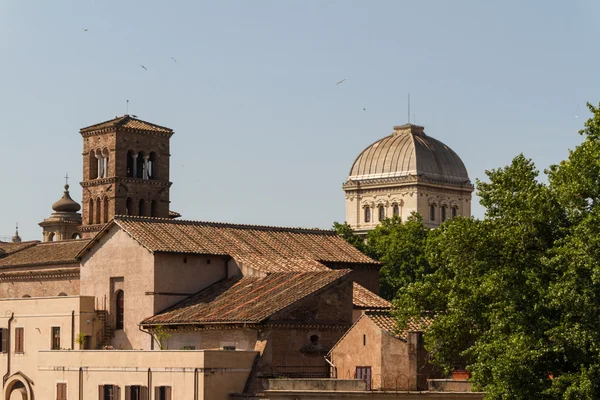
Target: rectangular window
{"type": "Point", "coordinates": [61, 391]}
{"type": "Point", "coordinates": [19, 340]}
{"type": "Point", "coordinates": [364, 373]}
{"type": "Point", "coordinates": [136, 392]}
{"type": "Point", "coordinates": [381, 213]}
{"type": "Point", "coordinates": [108, 392]}
{"type": "Point", "coordinates": [4, 340]}
{"type": "Point", "coordinates": [443, 214]}
{"type": "Point", "coordinates": [162, 393]}
{"type": "Point", "coordinates": [432, 212]}
{"type": "Point", "coordinates": [87, 342]}
{"type": "Point", "coordinates": [55, 338]}
{"type": "Point", "coordinates": [453, 212]}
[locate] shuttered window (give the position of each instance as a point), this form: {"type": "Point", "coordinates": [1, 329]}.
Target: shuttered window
{"type": "Point", "coordinates": [55, 338]}
{"type": "Point", "coordinates": [19, 339]}
{"type": "Point", "coordinates": [61, 391]}
{"type": "Point", "coordinates": [162, 393]}
{"type": "Point", "coordinates": [136, 392]}
{"type": "Point", "coordinates": [108, 392]}
{"type": "Point", "coordinates": [4, 339]}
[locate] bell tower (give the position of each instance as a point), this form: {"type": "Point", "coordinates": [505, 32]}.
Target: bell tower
{"type": "Point", "coordinates": [125, 171]}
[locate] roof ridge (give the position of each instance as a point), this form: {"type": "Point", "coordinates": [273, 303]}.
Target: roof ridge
{"type": "Point", "coordinates": [132, 218]}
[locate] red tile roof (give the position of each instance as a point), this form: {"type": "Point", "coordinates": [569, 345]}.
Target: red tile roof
{"type": "Point", "coordinates": [281, 246]}
{"type": "Point", "coordinates": [48, 253]}
{"type": "Point", "coordinates": [248, 299]}
{"type": "Point", "coordinates": [126, 122]}
{"type": "Point", "coordinates": [364, 299]}
{"type": "Point", "coordinates": [9, 248]}
{"type": "Point", "coordinates": [385, 321]}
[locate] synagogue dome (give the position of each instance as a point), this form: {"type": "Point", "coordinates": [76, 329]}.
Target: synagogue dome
{"type": "Point", "coordinates": [408, 151]}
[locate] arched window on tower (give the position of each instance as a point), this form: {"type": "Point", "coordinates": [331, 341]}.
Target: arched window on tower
{"type": "Point", "coordinates": [105, 163]}
{"type": "Point", "coordinates": [130, 164]}
{"type": "Point", "coordinates": [367, 214]}
{"type": "Point", "coordinates": [142, 208]}
{"type": "Point", "coordinates": [91, 212]}
{"type": "Point", "coordinates": [98, 210]}
{"type": "Point", "coordinates": [105, 210]}
{"type": "Point", "coordinates": [129, 206]}
{"type": "Point", "coordinates": [154, 209]}
{"type": "Point", "coordinates": [432, 212]}
{"type": "Point", "coordinates": [51, 237]}
{"type": "Point", "coordinates": [139, 165]}
{"type": "Point", "coordinates": [381, 211]}
{"type": "Point", "coordinates": [443, 211]}
{"type": "Point", "coordinates": [454, 212]}
{"type": "Point", "coordinates": [120, 309]}
{"type": "Point", "coordinates": [76, 235]}
{"type": "Point", "coordinates": [396, 210]}
{"type": "Point", "coordinates": [93, 165]}
{"type": "Point", "coordinates": [152, 166]}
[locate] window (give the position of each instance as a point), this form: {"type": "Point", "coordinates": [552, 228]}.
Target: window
{"type": "Point", "coordinates": [443, 210]}
{"type": "Point", "coordinates": [76, 236]}
{"type": "Point", "coordinates": [381, 213]}
{"type": "Point", "coordinates": [396, 210]}
{"type": "Point", "coordinates": [364, 373]}
{"type": "Point", "coordinates": [98, 209]}
{"type": "Point", "coordinates": [4, 340]}
{"type": "Point", "coordinates": [19, 340]}
{"type": "Point", "coordinates": [454, 212]}
{"type": "Point", "coordinates": [120, 309]}
{"type": "Point", "coordinates": [108, 392]}
{"type": "Point", "coordinates": [130, 164]}
{"type": "Point", "coordinates": [367, 214]}
{"type": "Point", "coordinates": [26, 296]}
{"type": "Point", "coordinates": [154, 209]}
{"type": "Point", "coordinates": [139, 167]}
{"type": "Point", "coordinates": [55, 338]}
{"type": "Point", "coordinates": [152, 166]}
{"type": "Point", "coordinates": [129, 206]}
{"type": "Point", "coordinates": [142, 208]}
{"type": "Point", "coordinates": [62, 294]}
{"type": "Point", "coordinates": [364, 340]}
{"type": "Point", "coordinates": [314, 340]}
{"type": "Point", "coordinates": [136, 392]}
{"type": "Point", "coordinates": [229, 348]}
{"type": "Point", "coordinates": [61, 391]}
{"type": "Point", "coordinates": [105, 211]}
{"type": "Point", "coordinates": [87, 342]}
{"type": "Point", "coordinates": [432, 212]}
{"type": "Point", "coordinates": [162, 393]}
{"type": "Point", "coordinates": [91, 212]}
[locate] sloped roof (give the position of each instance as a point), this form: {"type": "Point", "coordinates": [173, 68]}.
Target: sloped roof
{"type": "Point", "coordinates": [126, 122]}
{"type": "Point", "coordinates": [9, 247]}
{"type": "Point", "coordinates": [385, 321]}
{"type": "Point", "coordinates": [250, 242]}
{"type": "Point", "coordinates": [363, 298]}
{"type": "Point", "coordinates": [248, 299]}
{"type": "Point", "coordinates": [49, 253]}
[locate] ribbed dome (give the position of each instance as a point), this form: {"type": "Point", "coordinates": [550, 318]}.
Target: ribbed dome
{"type": "Point", "coordinates": [408, 151]}
{"type": "Point", "coordinates": [66, 203]}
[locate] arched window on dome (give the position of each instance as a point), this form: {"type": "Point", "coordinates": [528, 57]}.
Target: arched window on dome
{"type": "Point", "coordinates": [396, 210]}
{"type": "Point", "coordinates": [432, 212]}
{"type": "Point", "coordinates": [443, 213]}
{"type": "Point", "coordinates": [367, 214]}
{"type": "Point", "coordinates": [381, 212]}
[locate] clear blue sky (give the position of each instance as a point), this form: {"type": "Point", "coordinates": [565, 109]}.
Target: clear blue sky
{"type": "Point", "coordinates": [263, 134]}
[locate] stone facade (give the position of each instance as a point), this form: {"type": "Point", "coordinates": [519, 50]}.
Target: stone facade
{"type": "Point", "coordinates": [125, 171]}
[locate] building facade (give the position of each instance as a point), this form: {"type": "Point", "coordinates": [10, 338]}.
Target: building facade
{"type": "Point", "coordinates": [406, 172]}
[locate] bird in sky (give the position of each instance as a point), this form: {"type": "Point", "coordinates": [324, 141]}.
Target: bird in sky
{"type": "Point", "coordinates": [364, 109]}
{"type": "Point", "coordinates": [173, 59]}
{"type": "Point", "coordinates": [340, 81]}
{"type": "Point", "coordinates": [144, 67]}
{"type": "Point", "coordinates": [84, 29]}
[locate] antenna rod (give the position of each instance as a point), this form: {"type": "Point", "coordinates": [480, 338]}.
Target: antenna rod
{"type": "Point", "coordinates": [127, 108]}
{"type": "Point", "coordinates": [409, 107]}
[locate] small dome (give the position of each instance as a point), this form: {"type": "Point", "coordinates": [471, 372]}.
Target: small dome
{"type": "Point", "coordinates": [66, 203]}
{"type": "Point", "coordinates": [409, 151]}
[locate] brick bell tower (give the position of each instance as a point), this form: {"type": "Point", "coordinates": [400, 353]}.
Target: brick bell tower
{"type": "Point", "coordinates": [125, 171]}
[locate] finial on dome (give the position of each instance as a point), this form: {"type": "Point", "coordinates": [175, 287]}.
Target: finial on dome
{"type": "Point", "coordinates": [412, 128]}
{"type": "Point", "coordinates": [16, 238]}
{"type": "Point", "coordinates": [66, 203]}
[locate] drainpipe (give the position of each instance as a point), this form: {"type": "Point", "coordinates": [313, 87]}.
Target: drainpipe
{"type": "Point", "coordinates": [195, 383]}
{"type": "Point", "coordinates": [5, 377]}
{"type": "Point", "coordinates": [149, 383]}
{"type": "Point", "coordinates": [80, 383]}
{"type": "Point", "coordinates": [151, 337]}
{"type": "Point", "coordinates": [73, 330]}
{"type": "Point", "coordinates": [332, 366]}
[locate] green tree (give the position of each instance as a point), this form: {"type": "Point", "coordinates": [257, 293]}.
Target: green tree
{"type": "Point", "coordinates": [400, 246]}
{"type": "Point", "coordinates": [345, 231]}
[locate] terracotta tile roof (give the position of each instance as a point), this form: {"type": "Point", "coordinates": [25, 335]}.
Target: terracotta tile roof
{"type": "Point", "coordinates": [242, 241]}
{"type": "Point", "coordinates": [385, 321]}
{"type": "Point", "coordinates": [9, 248]}
{"type": "Point", "coordinates": [63, 252]}
{"type": "Point", "coordinates": [126, 122]}
{"type": "Point", "coordinates": [248, 299]}
{"type": "Point", "coordinates": [363, 298]}
{"type": "Point", "coordinates": [279, 264]}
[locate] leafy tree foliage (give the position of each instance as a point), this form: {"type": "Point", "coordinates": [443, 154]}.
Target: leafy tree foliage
{"type": "Point", "coordinates": [516, 296]}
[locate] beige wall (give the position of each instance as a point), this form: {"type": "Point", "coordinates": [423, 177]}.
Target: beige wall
{"type": "Point", "coordinates": [412, 198]}
{"type": "Point", "coordinates": [396, 370]}
{"type": "Point", "coordinates": [215, 374]}
{"type": "Point", "coordinates": [37, 316]}
{"type": "Point", "coordinates": [350, 352]}
{"type": "Point", "coordinates": [38, 284]}
{"type": "Point", "coordinates": [242, 339]}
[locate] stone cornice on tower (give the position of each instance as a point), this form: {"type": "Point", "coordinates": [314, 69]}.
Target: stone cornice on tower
{"type": "Point", "coordinates": [126, 123]}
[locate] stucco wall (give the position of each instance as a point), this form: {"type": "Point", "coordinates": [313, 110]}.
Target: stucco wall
{"type": "Point", "coordinates": [40, 286]}
{"type": "Point", "coordinates": [184, 273]}
{"type": "Point", "coordinates": [395, 369]}
{"type": "Point", "coordinates": [215, 374]}
{"type": "Point", "coordinates": [242, 339]}
{"type": "Point", "coordinates": [130, 266]}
